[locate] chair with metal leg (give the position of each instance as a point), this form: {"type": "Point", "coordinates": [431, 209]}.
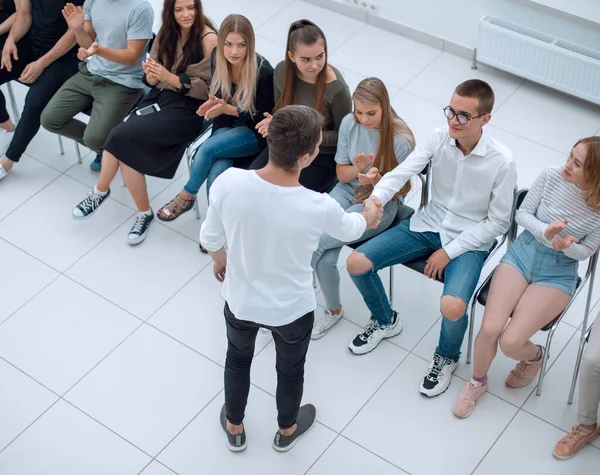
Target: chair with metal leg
{"type": "Point", "coordinates": [481, 296]}
{"type": "Point", "coordinates": [584, 341]}
{"type": "Point", "coordinates": [17, 115]}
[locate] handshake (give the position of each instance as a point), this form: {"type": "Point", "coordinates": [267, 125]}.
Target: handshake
{"type": "Point", "coordinates": [372, 212]}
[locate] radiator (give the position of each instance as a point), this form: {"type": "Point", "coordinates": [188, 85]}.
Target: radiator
{"type": "Point", "coordinates": [539, 57]}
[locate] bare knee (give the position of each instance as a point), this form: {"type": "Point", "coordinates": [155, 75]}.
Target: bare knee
{"type": "Point", "coordinates": [511, 344]}
{"type": "Point", "coordinates": [452, 307]}
{"type": "Point", "coordinates": [358, 263]}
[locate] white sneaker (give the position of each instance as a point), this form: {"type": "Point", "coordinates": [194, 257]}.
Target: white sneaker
{"type": "Point", "coordinates": [439, 376]}
{"type": "Point", "coordinates": [324, 321]}
{"type": "Point", "coordinates": [372, 335]}
{"type": "Point", "coordinates": [3, 172]}
{"type": "Point", "coordinates": [5, 140]}
{"type": "Point", "coordinates": [264, 331]}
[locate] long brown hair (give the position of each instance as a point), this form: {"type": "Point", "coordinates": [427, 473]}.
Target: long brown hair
{"type": "Point", "coordinates": [170, 35]}
{"type": "Point", "coordinates": [373, 91]}
{"type": "Point", "coordinates": [303, 32]}
{"type": "Point", "coordinates": [591, 171]}
{"type": "Point", "coordinates": [221, 81]}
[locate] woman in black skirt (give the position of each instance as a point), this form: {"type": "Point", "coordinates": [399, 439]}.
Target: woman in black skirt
{"type": "Point", "coordinates": [178, 72]}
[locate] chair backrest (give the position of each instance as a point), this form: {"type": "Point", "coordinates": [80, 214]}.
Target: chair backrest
{"type": "Point", "coordinates": [513, 229]}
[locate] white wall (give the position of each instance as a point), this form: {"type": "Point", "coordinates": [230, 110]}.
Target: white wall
{"type": "Point", "coordinates": [457, 21]}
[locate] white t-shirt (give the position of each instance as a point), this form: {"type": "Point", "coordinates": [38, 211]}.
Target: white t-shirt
{"type": "Point", "coordinates": [270, 233]}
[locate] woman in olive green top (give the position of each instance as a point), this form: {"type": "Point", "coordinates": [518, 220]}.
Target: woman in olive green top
{"type": "Point", "coordinates": [305, 78]}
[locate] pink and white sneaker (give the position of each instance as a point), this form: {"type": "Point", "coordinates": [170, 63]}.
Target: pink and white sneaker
{"type": "Point", "coordinates": [465, 403]}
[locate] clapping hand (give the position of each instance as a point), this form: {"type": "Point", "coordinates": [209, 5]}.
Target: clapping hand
{"type": "Point", "coordinates": [84, 54]}
{"type": "Point", "coordinates": [212, 108]}
{"type": "Point", "coordinates": [73, 16]}
{"type": "Point", "coordinates": [369, 178]}
{"type": "Point", "coordinates": [155, 71]}
{"type": "Point", "coordinates": [263, 125]}
{"type": "Point", "coordinates": [555, 228]}
{"type": "Point", "coordinates": [561, 243]}
{"type": "Point", "coordinates": [362, 161]}
{"type": "Point", "coordinates": [8, 53]}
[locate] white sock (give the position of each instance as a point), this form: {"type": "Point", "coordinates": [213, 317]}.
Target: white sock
{"type": "Point", "coordinates": [99, 193]}
{"type": "Point", "coordinates": [147, 213]}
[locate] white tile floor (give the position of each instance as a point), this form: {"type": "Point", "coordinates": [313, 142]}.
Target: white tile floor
{"type": "Point", "coordinates": [111, 357]}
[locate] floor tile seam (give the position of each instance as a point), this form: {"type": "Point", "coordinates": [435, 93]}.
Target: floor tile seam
{"type": "Point", "coordinates": [29, 425]}
{"type": "Point", "coordinates": [526, 411]}
{"type": "Point", "coordinates": [496, 441]}
{"type": "Point", "coordinates": [277, 12]}
{"type": "Point", "coordinates": [375, 392]}
{"type": "Point", "coordinates": [322, 453]}
{"type": "Point", "coordinates": [32, 196]}
{"type": "Point", "coordinates": [375, 454]}
{"type": "Point", "coordinates": [349, 37]}
{"type": "Point", "coordinates": [156, 457]}
{"type": "Point", "coordinates": [517, 134]}
{"type": "Point", "coordinates": [49, 165]}
{"type": "Point", "coordinates": [29, 376]}
{"type": "Point", "coordinates": [434, 59]}
{"type": "Point", "coordinates": [521, 84]}
{"type": "Point", "coordinates": [160, 463]}
{"type": "Point", "coordinates": [29, 300]}
{"type": "Point", "coordinates": [99, 362]}
{"type": "Point", "coordinates": [171, 337]}
{"type": "Point", "coordinates": [107, 428]}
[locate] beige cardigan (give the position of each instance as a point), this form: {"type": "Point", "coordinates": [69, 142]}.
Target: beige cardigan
{"type": "Point", "coordinates": [199, 74]}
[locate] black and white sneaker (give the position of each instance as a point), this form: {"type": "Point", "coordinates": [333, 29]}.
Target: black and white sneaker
{"type": "Point", "coordinates": [140, 228]}
{"type": "Point", "coordinates": [372, 335]}
{"type": "Point", "coordinates": [439, 376]}
{"type": "Point", "coordinates": [89, 205]}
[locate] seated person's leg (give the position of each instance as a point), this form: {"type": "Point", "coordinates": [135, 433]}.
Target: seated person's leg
{"type": "Point", "coordinates": [589, 400]}
{"type": "Point", "coordinates": [460, 280]}
{"type": "Point", "coordinates": [507, 287]}
{"type": "Point", "coordinates": [217, 168]}
{"type": "Point", "coordinates": [136, 184]}
{"type": "Point", "coordinates": [38, 96]}
{"type": "Point", "coordinates": [112, 102]}
{"type": "Point", "coordinates": [394, 246]}
{"type": "Point", "coordinates": [73, 97]}
{"type": "Point", "coordinates": [225, 143]}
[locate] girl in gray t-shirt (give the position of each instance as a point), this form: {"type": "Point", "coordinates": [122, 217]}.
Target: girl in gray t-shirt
{"type": "Point", "coordinates": [372, 141]}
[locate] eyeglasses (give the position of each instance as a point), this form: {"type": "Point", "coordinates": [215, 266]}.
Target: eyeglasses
{"type": "Point", "coordinates": [462, 118]}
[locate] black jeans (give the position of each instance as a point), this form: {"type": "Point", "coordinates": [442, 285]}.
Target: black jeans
{"type": "Point", "coordinates": [39, 94]}
{"type": "Point", "coordinates": [320, 176]}
{"type": "Point", "coordinates": [291, 345]}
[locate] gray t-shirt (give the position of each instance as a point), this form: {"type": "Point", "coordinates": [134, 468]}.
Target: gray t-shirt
{"type": "Point", "coordinates": [354, 138]}
{"type": "Point", "coordinates": [116, 22]}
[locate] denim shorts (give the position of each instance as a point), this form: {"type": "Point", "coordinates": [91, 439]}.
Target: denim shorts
{"type": "Point", "coordinates": [542, 265]}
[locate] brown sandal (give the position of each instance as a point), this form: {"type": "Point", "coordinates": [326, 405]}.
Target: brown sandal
{"type": "Point", "coordinates": [175, 208]}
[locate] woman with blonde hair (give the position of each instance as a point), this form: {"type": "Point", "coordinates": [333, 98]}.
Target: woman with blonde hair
{"type": "Point", "coordinates": [372, 141]}
{"type": "Point", "coordinates": [305, 78]}
{"type": "Point", "coordinates": [241, 92]}
{"type": "Point", "coordinates": [537, 276]}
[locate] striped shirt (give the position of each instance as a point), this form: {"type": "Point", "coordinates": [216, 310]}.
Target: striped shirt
{"type": "Point", "coordinates": [551, 198]}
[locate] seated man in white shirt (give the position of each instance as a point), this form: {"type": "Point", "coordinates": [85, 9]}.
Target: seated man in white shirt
{"type": "Point", "coordinates": [261, 230]}
{"type": "Point", "coordinates": [473, 181]}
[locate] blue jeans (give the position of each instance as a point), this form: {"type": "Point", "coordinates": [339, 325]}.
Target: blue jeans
{"type": "Point", "coordinates": [398, 245]}
{"type": "Point", "coordinates": [224, 145]}
{"type": "Point", "coordinates": [325, 258]}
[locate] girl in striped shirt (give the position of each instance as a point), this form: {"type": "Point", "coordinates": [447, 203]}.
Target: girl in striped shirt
{"type": "Point", "coordinates": [537, 276]}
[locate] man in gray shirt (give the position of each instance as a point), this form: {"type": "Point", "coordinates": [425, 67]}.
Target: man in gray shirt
{"type": "Point", "coordinates": [113, 37]}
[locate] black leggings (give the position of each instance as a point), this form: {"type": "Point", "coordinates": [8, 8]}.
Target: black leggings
{"type": "Point", "coordinates": [320, 176]}
{"type": "Point", "coordinates": [291, 345]}
{"type": "Point", "coordinates": [39, 94]}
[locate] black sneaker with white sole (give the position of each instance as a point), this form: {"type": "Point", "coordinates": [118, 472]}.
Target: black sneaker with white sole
{"type": "Point", "coordinates": [89, 205]}
{"type": "Point", "coordinates": [307, 416]}
{"type": "Point", "coordinates": [439, 376]}
{"type": "Point", "coordinates": [140, 228]}
{"type": "Point", "coordinates": [372, 335]}
{"type": "Point", "coordinates": [235, 442]}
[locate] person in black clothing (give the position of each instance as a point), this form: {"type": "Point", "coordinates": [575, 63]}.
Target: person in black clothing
{"type": "Point", "coordinates": [241, 92]}
{"type": "Point", "coordinates": [40, 53]}
{"type": "Point", "coordinates": [178, 73]}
